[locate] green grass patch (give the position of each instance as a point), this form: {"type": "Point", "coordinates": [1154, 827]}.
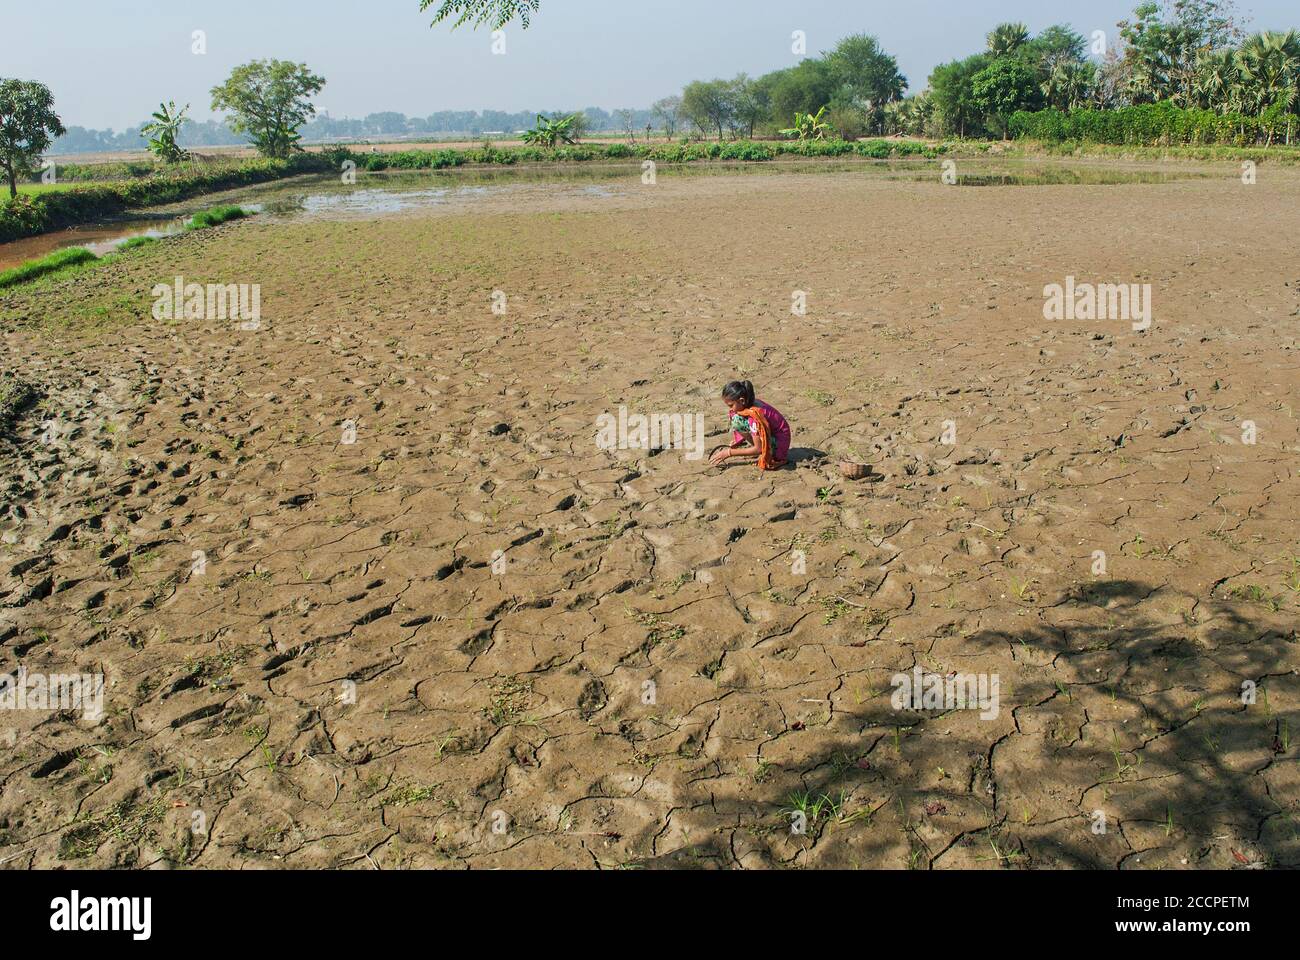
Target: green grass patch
{"type": "Point", "coordinates": [50, 263]}
{"type": "Point", "coordinates": [126, 822]}
{"type": "Point", "coordinates": [216, 216]}
{"type": "Point", "coordinates": [132, 169]}
{"type": "Point", "coordinates": [134, 242]}
{"type": "Point", "coordinates": [38, 188]}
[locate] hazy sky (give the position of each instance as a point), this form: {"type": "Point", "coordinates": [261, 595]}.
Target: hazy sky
{"type": "Point", "coordinates": [109, 62]}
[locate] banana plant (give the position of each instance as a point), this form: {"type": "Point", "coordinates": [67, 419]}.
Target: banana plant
{"type": "Point", "coordinates": [553, 130]}
{"type": "Point", "coordinates": [163, 130]}
{"type": "Point", "coordinates": [809, 126]}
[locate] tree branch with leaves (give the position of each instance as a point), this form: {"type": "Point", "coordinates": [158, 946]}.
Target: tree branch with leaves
{"type": "Point", "coordinates": [495, 13]}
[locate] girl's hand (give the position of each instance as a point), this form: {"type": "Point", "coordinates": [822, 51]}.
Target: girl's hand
{"type": "Point", "coordinates": [719, 456]}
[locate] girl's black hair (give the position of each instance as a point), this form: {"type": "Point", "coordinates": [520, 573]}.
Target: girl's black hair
{"type": "Point", "coordinates": [739, 390]}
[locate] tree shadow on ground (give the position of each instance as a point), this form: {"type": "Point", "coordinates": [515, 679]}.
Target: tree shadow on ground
{"type": "Point", "coordinates": [1147, 717]}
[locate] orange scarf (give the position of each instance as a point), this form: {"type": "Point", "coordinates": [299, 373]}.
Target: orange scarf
{"type": "Point", "coordinates": [763, 440]}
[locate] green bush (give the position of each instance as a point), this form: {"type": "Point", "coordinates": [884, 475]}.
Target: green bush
{"type": "Point", "coordinates": [875, 149]}
{"type": "Point", "coordinates": [748, 151]}
{"type": "Point", "coordinates": [1149, 124]}
{"type": "Point", "coordinates": [909, 148]}
{"type": "Point", "coordinates": [22, 216]}
{"type": "Point", "coordinates": [668, 153]}
{"type": "Point", "coordinates": [58, 260]}
{"type": "Point", "coordinates": [125, 170]}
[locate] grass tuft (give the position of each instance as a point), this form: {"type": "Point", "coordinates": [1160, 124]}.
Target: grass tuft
{"type": "Point", "coordinates": [134, 242]}
{"type": "Point", "coordinates": [216, 216]}
{"type": "Point", "coordinates": [51, 263]}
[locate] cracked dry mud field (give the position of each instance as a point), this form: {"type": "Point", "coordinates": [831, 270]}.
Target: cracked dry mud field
{"type": "Point", "coordinates": [519, 698]}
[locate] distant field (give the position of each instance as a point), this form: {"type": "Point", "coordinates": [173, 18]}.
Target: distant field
{"type": "Point", "coordinates": [1279, 153]}
{"type": "Point", "coordinates": [360, 146]}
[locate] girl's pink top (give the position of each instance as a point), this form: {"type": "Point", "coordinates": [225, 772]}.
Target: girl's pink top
{"type": "Point", "coordinates": [780, 430]}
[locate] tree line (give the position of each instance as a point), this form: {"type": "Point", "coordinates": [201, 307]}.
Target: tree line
{"type": "Point", "coordinates": [324, 128]}
{"type": "Point", "coordinates": [1190, 54]}
{"type": "Point", "coordinates": [1187, 55]}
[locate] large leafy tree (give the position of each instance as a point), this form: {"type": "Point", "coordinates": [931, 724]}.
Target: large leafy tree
{"type": "Point", "coordinates": [1055, 47]}
{"type": "Point", "coordinates": [1147, 54]}
{"type": "Point", "coordinates": [495, 13]}
{"type": "Point", "coordinates": [805, 88]}
{"type": "Point", "coordinates": [269, 100]}
{"type": "Point", "coordinates": [859, 64]}
{"type": "Point", "coordinates": [668, 110]}
{"type": "Point", "coordinates": [1003, 87]}
{"type": "Point", "coordinates": [749, 104]}
{"type": "Point", "coordinates": [28, 125]}
{"type": "Point", "coordinates": [1166, 44]}
{"type": "Point", "coordinates": [866, 78]}
{"type": "Point", "coordinates": [709, 104]}
{"type": "Point", "coordinates": [1200, 28]}
{"type": "Point", "coordinates": [955, 106]}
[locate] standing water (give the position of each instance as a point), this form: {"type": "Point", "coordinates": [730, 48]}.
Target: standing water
{"type": "Point", "coordinates": [381, 194]}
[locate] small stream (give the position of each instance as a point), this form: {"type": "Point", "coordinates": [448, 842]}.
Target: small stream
{"type": "Point", "coordinates": [322, 196]}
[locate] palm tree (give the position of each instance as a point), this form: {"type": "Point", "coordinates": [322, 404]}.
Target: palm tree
{"type": "Point", "coordinates": [1270, 73]}
{"type": "Point", "coordinates": [910, 115]}
{"type": "Point", "coordinates": [1270, 67]}
{"type": "Point", "coordinates": [1007, 38]}
{"type": "Point", "coordinates": [1180, 49]}
{"type": "Point", "coordinates": [1218, 80]}
{"type": "Point", "coordinates": [1070, 85]}
{"type": "Point", "coordinates": [1148, 79]}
